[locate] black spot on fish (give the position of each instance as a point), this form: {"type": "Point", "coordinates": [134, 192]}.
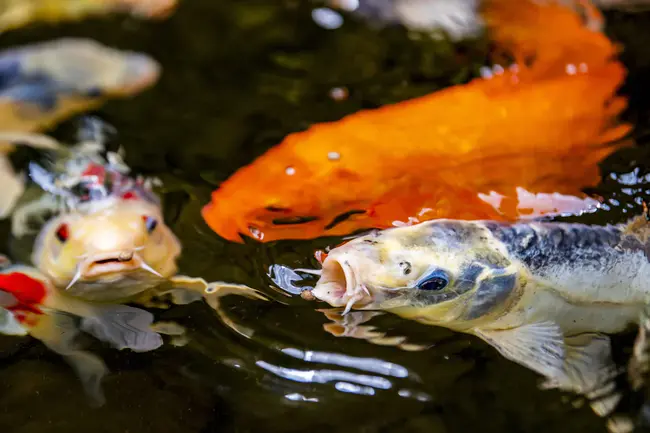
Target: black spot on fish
{"type": "Point", "coordinates": [294, 220]}
{"type": "Point", "coordinates": [405, 267]}
{"type": "Point", "coordinates": [343, 217]}
{"type": "Point", "coordinates": [277, 209]}
{"type": "Point", "coordinates": [543, 245]}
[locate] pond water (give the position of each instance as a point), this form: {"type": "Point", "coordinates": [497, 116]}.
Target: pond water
{"type": "Point", "coordinates": [237, 77]}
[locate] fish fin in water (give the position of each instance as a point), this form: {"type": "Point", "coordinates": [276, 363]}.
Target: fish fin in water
{"type": "Point", "coordinates": [13, 186]}
{"type": "Point", "coordinates": [538, 346]}
{"type": "Point", "coordinates": [123, 327]}
{"type": "Point", "coordinates": [58, 332]}
{"type": "Point", "coordinates": [8, 323]}
{"type": "Point", "coordinates": [589, 370]}
{"type": "Point", "coordinates": [184, 289]}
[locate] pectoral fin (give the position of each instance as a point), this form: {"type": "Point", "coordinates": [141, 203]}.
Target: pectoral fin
{"type": "Point", "coordinates": [8, 323]}
{"type": "Point", "coordinates": [123, 327]}
{"type": "Point", "coordinates": [580, 363]}
{"type": "Point", "coordinates": [58, 332]}
{"type": "Point", "coordinates": [538, 346]}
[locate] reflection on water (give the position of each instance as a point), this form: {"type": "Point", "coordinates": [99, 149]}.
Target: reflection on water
{"type": "Point", "coordinates": [237, 77]}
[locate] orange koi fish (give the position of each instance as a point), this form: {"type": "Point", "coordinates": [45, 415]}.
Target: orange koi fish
{"type": "Point", "coordinates": [535, 129]}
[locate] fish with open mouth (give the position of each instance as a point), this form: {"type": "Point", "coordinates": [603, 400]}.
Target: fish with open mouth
{"type": "Point", "coordinates": [32, 305]}
{"type": "Point", "coordinates": [544, 294]}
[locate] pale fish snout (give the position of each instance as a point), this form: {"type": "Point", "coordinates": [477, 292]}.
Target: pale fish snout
{"type": "Point", "coordinates": [340, 286]}
{"type": "Point", "coordinates": [112, 264]}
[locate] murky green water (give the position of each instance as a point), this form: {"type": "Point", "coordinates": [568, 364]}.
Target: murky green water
{"type": "Point", "coordinates": [238, 76]}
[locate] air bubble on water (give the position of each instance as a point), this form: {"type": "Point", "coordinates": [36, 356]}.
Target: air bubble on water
{"type": "Point", "coordinates": [327, 18]}
{"type": "Point", "coordinates": [339, 93]}
{"type": "Point", "coordinates": [256, 233]}
{"type": "Point", "coordinates": [571, 69]}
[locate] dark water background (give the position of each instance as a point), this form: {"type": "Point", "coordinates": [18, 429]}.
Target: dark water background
{"type": "Point", "coordinates": [238, 75]}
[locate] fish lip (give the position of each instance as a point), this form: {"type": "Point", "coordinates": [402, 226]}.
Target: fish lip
{"type": "Point", "coordinates": [100, 265]}
{"type": "Point", "coordinates": [339, 284]}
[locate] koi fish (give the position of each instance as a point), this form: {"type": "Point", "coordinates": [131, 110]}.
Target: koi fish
{"type": "Point", "coordinates": [113, 246]}
{"type": "Point", "coordinates": [45, 83]}
{"type": "Point", "coordinates": [545, 295]}
{"type": "Point", "coordinates": [18, 13]}
{"type": "Point", "coordinates": [445, 154]}
{"type": "Point", "coordinates": [30, 304]}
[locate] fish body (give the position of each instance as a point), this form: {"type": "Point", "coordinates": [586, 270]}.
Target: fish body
{"type": "Point", "coordinates": [38, 309]}
{"type": "Point", "coordinates": [18, 13]}
{"type": "Point", "coordinates": [43, 83]}
{"type": "Point", "coordinates": [544, 294]}
{"type": "Point", "coordinates": [442, 154]}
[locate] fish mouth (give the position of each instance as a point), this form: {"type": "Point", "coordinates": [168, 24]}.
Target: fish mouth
{"type": "Point", "coordinates": [112, 265]}
{"type": "Point", "coordinates": [339, 285]}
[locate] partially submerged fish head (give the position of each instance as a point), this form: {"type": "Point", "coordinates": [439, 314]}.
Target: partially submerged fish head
{"type": "Point", "coordinates": [111, 253]}
{"type": "Point", "coordinates": [451, 273]}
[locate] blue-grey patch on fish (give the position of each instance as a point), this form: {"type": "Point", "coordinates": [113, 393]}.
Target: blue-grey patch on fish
{"type": "Point", "coordinates": [491, 292]}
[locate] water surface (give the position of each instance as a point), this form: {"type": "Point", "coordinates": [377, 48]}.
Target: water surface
{"type": "Point", "coordinates": [237, 77]}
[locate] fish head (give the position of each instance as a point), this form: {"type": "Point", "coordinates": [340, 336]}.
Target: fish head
{"type": "Point", "coordinates": [113, 251]}
{"type": "Point", "coordinates": [293, 191]}
{"type": "Point", "coordinates": [445, 272]}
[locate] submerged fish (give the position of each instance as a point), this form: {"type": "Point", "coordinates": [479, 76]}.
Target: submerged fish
{"type": "Point", "coordinates": [113, 246]}
{"type": "Point", "coordinates": [18, 13]}
{"type": "Point", "coordinates": [536, 128]}
{"type": "Point", "coordinates": [30, 303]}
{"type": "Point", "coordinates": [543, 294]}
{"type": "Point", "coordinates": [43, 84]}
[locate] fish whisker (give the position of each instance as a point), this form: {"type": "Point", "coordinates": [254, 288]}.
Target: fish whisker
{"type": "Point", "coordinates": [76, 278]}
{"type": "Point", "coordinates": [148, 268]}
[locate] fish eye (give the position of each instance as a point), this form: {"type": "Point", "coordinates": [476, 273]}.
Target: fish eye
{"type": "Point", "coordinates": [435, 281]}
{"type": "Point", "coordinates": [63, 232]}
{"type": "Point", "coordinates": [150, 223]}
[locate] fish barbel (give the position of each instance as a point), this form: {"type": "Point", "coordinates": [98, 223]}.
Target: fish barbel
{"type": "Point", "coordinates": [543, 294]}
